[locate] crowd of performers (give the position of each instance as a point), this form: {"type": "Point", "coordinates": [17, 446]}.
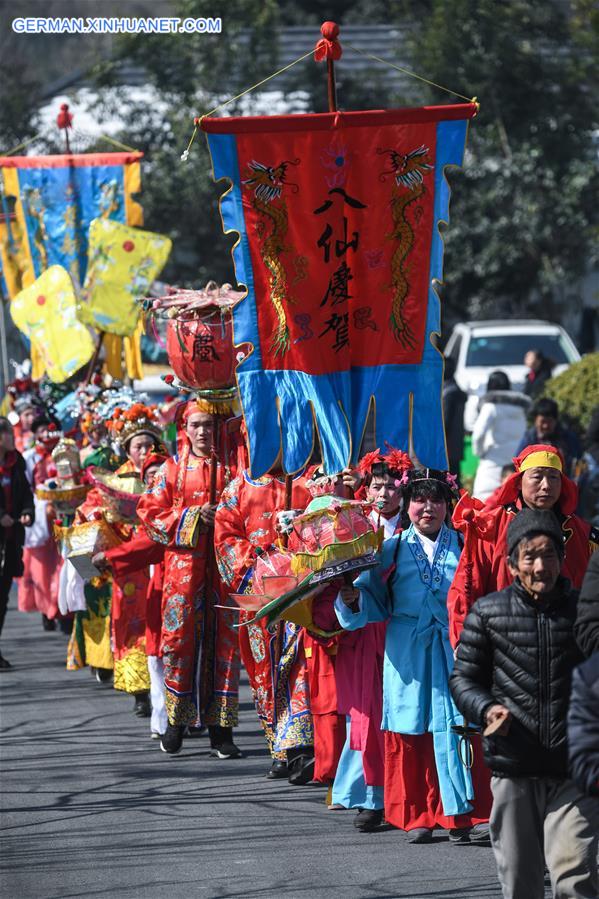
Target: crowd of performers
{"type": "Point", "coordinates": [357, 696]}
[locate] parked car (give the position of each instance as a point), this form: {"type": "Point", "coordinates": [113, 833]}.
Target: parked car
{"type": "Point", "coordinates": [479, 348]}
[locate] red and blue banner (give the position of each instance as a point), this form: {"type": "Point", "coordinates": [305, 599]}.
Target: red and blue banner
{"type": "Point", "coordinates": [48, 203]}
{"type": "Point", "coordinates": [338, 219]}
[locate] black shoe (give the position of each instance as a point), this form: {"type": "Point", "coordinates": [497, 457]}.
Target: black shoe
{"type": "Point", "coordinates": [459, 835]}
{"type": "Point", "coordinates": [172, 739]}
{"type": "Point", "coordinates": [420, 835]}
{"type": "Point", "coordinates": [227, 750]}
{"type": "Point", "coordinates": [4, 663]}
{"type": "Point", "coordinates": [104, 675]}
{"type": "Point", "coordinates": [48, 624]}
{"type": "Point", "coordinates": [301, 768]}
{"type": "Point", "coordinates": [480, 833]}
{"type": "Point", "coordinates": [195, 732]}
{"type": "Point", "coordinates": [277, 770]}
{"type": "Point", "coordinates": [221, 742]}
{"type": "Point", "coordinates": [142, 707]}
{"type": "Point", "coordinates": [368, 819]}
{"type": "Point", "coordinates": [66, 626]}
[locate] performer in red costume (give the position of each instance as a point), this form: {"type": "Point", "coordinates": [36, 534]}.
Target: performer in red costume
{"type": "Point", "coordinates": [128, 558]}
{"type": "Point", "coordinates": [246, 525]}
{"type": "Point", "coordinates": [199, 644]}
{"type": "Point", "coordinates": [539, 482]}
{"type": "Point", "coordinates": [38, 588]}
{"type": "Point", "coordinates": [321, 647]}
{"type": "Point", "coordinates": [137, 431]}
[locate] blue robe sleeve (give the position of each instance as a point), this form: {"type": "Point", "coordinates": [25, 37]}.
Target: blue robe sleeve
{"type": "Point", "coordinates": [372, 584]}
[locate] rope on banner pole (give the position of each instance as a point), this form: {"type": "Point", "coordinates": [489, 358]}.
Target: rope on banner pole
{"type": "Point", "coordinates": [392, 65]}
{"type": "Point", "coordinates": [197, 120]}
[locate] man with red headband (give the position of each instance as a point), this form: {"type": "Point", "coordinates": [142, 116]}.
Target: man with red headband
{"type": "Point", "coordinates": [246, 525]}
{"type": "Point", "coordinates": [539, 482]}
{"type": "Point", "coordinates": [199, 644]}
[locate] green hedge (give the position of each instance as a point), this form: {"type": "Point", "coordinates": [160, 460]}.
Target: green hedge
{"type": "Point", "coordinates": [576, 390]}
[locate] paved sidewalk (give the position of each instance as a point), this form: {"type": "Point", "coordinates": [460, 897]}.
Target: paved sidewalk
{"type": "Point", "coordinates": [92, 808]}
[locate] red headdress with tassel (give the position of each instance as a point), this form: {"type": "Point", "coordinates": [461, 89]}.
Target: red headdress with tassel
{"type": "Point", "coordinates": [539, 455]}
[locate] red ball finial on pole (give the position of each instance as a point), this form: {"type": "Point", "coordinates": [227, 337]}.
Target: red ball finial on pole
{"type": "Point", "coordinates": [64, 120]}
{"type": "Point", "coordinates": [328, 47]}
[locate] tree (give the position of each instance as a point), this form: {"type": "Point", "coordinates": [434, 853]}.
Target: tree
{"type": "Point", "coordinates": [188, 75]}
{"type": "Point", "coordinates": [523, 213]}
{"type": "Point", "coordinates": [576, 390]}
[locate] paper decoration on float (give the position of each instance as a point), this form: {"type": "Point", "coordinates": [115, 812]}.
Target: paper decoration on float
{"type": "Point", "coordinates": [338, 219]}
{"type": "Point", "coordinates": [123, 263]}
{"type": "Point", "coordinates": [46, 313]}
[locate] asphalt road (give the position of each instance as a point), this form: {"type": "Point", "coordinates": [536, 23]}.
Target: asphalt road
{"type": "Point", "coordinates": [92, 808]}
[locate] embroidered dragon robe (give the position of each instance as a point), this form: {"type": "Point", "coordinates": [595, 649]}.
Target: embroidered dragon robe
{"type": "Point", "coordinates": [275, 662]}
{"type": "Point", "coordinates": [199, 643]}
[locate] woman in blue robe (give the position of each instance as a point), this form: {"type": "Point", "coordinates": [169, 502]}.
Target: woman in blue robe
{"type": "Point", "coordinates": [427, 781]}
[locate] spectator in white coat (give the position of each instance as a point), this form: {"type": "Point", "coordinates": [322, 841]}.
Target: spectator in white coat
{"type": "Point", "coordinates": [497, 432]}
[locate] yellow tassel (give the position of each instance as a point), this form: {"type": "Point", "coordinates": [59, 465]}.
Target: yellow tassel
{"type": "Point", "coordinates": [338, 552]}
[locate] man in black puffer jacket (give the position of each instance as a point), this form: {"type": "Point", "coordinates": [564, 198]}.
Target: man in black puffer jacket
{"type": "Point", "coordinates": [583, 726]}
{"type": "Point", "coordinates": [512, 676]}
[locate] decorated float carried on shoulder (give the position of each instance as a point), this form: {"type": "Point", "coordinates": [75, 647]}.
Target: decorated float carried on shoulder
{"type": "Point", "coordinates": [331, 541]}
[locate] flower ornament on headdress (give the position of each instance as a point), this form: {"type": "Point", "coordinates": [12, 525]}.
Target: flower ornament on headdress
{"type": "Point", "coordinates": [397, 463]}
{"type": "Point", "coordinates": [368, 460]}
{"type": "Point", "coordinates": [452, 480]}
{"type": "Point", "coordinates": [137, 419]}
{"type": "Point", "coordinates": [396, 459]}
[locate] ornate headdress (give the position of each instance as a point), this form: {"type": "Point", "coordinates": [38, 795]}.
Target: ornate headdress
{"type": "Point", "coordinates": [137, 419]}
{"type": "Point", "coordinates": [393, 462]}
{"type": "Point", "coordinates": [418, 475]}
{"type": "Point", "coordinates": [368, 460]}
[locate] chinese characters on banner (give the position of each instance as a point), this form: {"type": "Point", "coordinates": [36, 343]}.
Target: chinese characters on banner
{"type": "Point", "coordinates": [338, 247]}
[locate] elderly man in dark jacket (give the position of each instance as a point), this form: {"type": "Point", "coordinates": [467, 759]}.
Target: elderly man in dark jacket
{"type": "Point", "coordinates": [512, 676]}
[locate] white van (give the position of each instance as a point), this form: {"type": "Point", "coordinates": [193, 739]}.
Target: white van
{"type": "Point", "coordinates": [479, 348]}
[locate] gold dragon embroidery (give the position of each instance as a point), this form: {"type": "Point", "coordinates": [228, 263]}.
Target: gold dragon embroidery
{"type": "Point", "coordinates": [36, 210]}
{"type": "Point", "coordinates": [267, 183]}
{"type": "Point", "coordinates": [408, 170]}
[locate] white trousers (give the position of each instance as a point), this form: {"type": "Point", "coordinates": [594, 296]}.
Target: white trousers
{"type": "Point", "coordinates": [159, 719]}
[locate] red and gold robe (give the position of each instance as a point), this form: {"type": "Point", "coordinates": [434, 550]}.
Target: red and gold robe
{"type": "Point", "coordinates": [275, 662]}
{"type": "Point", "coordinates": [200, 647]}
{"type": "Point", "coordinates": [128, 621]}
{"type": "Point", "coordinates": [38, 587]}
{"type": "Point", "coordinates": [132, 556]}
